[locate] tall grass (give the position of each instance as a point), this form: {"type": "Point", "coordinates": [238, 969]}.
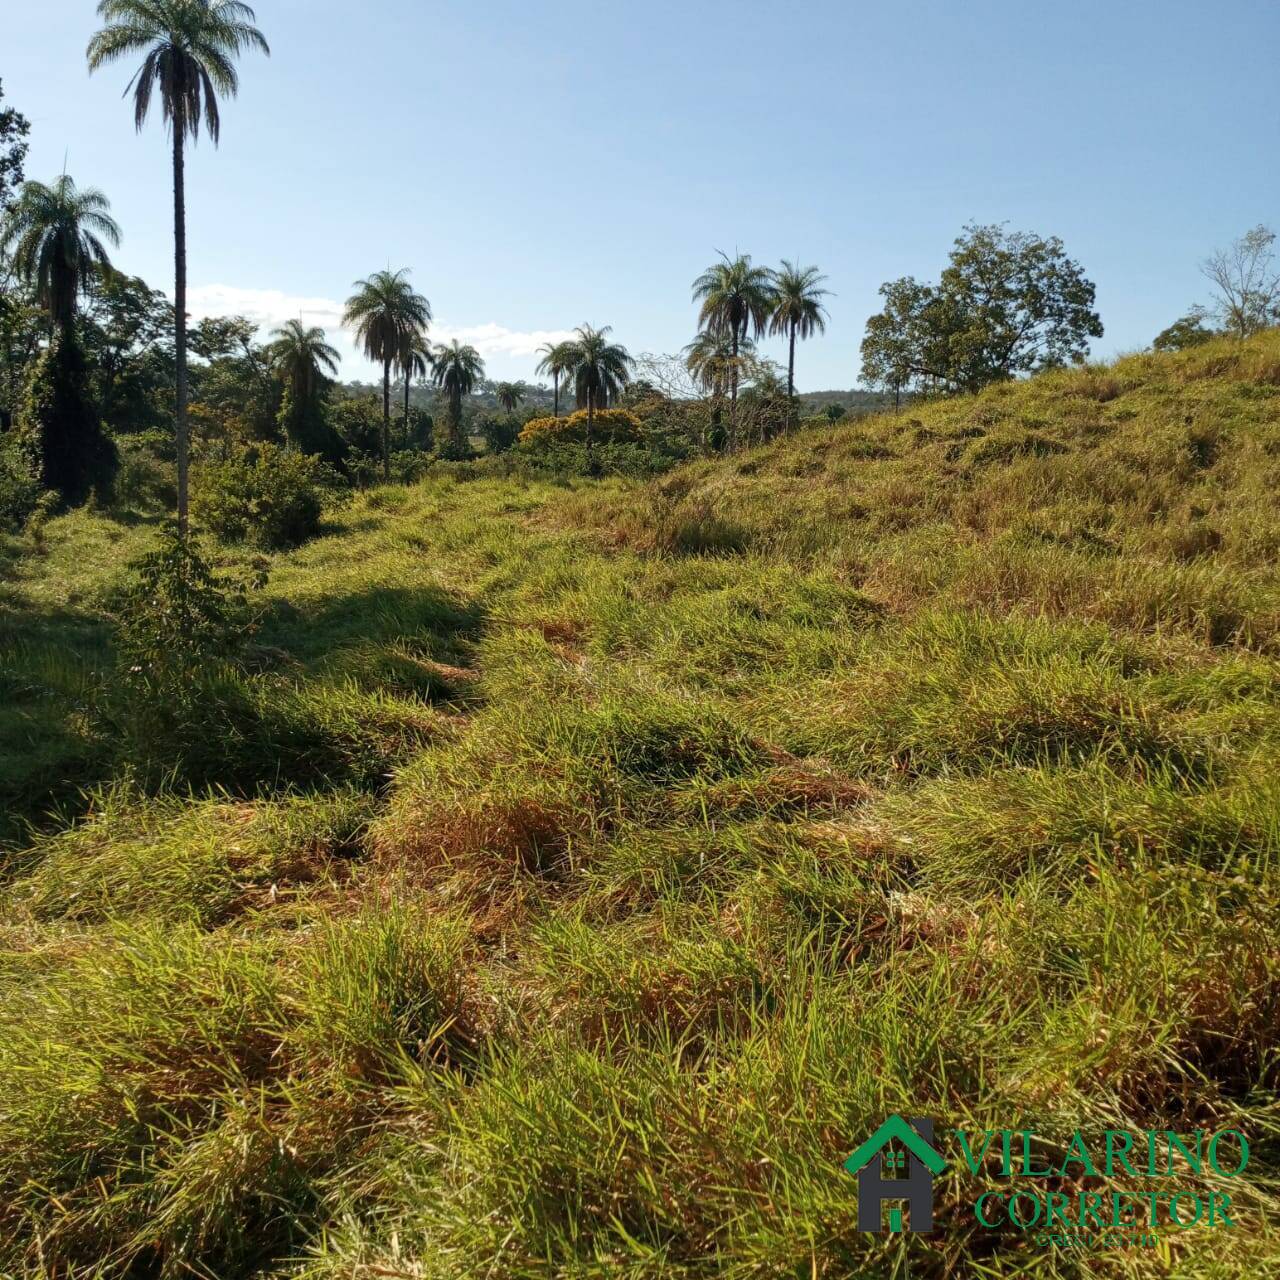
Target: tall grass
{"type": "Point", "coordinates": [572, 876]}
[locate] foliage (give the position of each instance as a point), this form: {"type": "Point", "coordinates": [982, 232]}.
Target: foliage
{"type": "Point", "coordinates": [23, 327]}
{"type": "Point", "coordinates": [262, 494]}
{"type": "Point", "coordinates": [456, 369]}
{"type": "Point", "coordinates": [509, 395]}
{"type": "Point", "coordinates": [500, 433]}
{"type": "Point", "coordinates": [608, 425]}
{"type": "Point", "coordinates": [1187, 331]}
{"type": "Point", "coordinates": [126, 328]}
{"type": "Point", "coordinates": [60, 422]}
{"type": "Point", "coordinates": [600, 369]}
{"type": "Point", "coordinates": [177, 619]}
{"type": "Point", "coordinates": [304, 362]}
{"type": "Point", "coordinates": [19, 480]}
{"type": "Point", "coordinates": [390, 320]}
{"type": "Point", "coordinates": [1008, 304]}
{"type": "Point", "coordinates": [798, 310]}
{"type": "Point", "coordinates": [236, 398]}
{"type": "Point", "coordinates": [14, 128]}
{"type": "Point", "coordinates": [55, 235]}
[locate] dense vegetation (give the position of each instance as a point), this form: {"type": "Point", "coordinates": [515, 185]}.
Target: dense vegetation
{"type": "Point", "coordinates": [561, 878]}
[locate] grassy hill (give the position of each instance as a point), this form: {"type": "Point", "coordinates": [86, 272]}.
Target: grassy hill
{"type": "Point", "coordinates": [574, 875]}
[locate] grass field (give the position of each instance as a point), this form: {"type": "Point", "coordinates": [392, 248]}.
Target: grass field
{"type": "Point", "coordinates": [573, 875]}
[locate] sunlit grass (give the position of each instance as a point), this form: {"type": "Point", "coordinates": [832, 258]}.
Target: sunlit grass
{"type": "Point", "coordinates": [570, 877]}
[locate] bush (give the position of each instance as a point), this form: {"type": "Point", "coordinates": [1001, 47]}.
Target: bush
{"type": "Point", "coordinates": [177, 619]}
{"type": "Point", "coordinates": [265, 495]}
{"type": "Point", "coordinates": [19, 482]}
{"type": "Point", "coordinates": [500, 434]}
{"type": "Point", "coordinates": [608, 425]}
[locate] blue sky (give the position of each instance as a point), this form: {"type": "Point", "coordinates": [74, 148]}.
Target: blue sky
{"type": "Point", "coordinates": [542, 164]}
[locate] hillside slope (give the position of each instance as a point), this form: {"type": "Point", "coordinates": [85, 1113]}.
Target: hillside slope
{"type": "Point", "coordinates": [574, 876]}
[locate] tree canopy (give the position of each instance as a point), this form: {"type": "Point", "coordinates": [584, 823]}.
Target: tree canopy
{"type": "Point", "coordinates": [1008, 303]}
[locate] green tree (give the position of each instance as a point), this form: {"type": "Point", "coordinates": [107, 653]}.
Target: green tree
{"type": "Point", "coordinates": [126, 328]}
{"type": "Point", "coordinates": [14, 128]}
{"type": "Point", "coordinates": [510, 395]}
{"type": "Point", "coordinates": [386, 314]}
{"type": "Point", "coordinates": [736, 302]}
{"type": "Point", "coordinates": [1008, 303]}
{"type": "Point", "coordinates": [456, 369]}
{"type": "Point", "coordinates": [1187, 331]}
{"type": "Point", "coordinates": [304, 362]}
{"type": "Point", "coordinates": [55, 235]}
{"type": "Point", "coordinates": [600, 370]}
{"type": "Point", "coordinates": [555, 363]}
{"type": "Point", "coordinates": [188, 50]}
{"type": "Point", "coordinates": [798, 311]}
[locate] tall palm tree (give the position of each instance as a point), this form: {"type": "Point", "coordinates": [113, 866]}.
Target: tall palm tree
{"type": "Point", "coordinates": [189, 49]}
{"type": "Point", "coordinates": [797, 310]}
{"type": "Point", "coordinates": [555, 363]}
{"type": "Point", "coordinates": [600, 369]}
{"type": "Point", "coordinates": [737, 299]}
{"type": "Point", "coordinates": [455, 370]}
{"type": "Point", "coordinates": [386, 313]}
{"type": "Point", "coordinates": [55, 235]}
{"type": "Point", "coordinates": [509, 395]}
{"type": "Point", "coordinates": [415, 362]}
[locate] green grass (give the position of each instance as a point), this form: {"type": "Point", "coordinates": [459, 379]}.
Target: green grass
{"type": "Point", "coordinates": [573, 875]}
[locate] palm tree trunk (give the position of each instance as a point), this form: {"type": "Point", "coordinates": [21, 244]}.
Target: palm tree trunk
{"type": "Point", "coordinates": [733, 397]}
{"type": "Point", "coordinates": [791, 377]}
{"type": "Point", "coordinates": [406, 409]}
{"type": "Point", "coordinates": [555, 391]}
{"type": "Point", "coordinates": [591, 417]}
{"type": "Point", "coordinates": [180, 315]}
{"type": "Point", "coordinates": [386, 420]}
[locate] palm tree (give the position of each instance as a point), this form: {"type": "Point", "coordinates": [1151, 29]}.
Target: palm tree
{"type": "Point", "coordinates": [509, 395]}
{"type": "Point", "coordinates": [455, 370]}
{"type": "Point", "coordinates": [386, 313]}
{"type": "Point", "coordinates": [55, 235]}
{"type": "Point", "coordinates": [710, 361]}
{"type": "Point", "coordinates": [303, 360]}
{"type": "Point", "coordinates": [189, 49]}
{"type": "Point", "coordinates": [555, 363]}
{"type": "Point", "coordinates": [713, 367]}
{"type": "Point", "coordinates": [415, 362]}
{"type": "Point", "coordinates": [797, 310]}
{"type": "Point", "coordinates": [737, 300]}
{"type": "Point", "coordinates": [600, 369]}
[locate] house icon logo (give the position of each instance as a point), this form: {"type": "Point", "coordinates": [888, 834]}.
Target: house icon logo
{"type": "Point", "coordinates": [897, 1163]}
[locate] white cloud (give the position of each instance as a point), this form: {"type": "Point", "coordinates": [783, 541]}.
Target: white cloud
{"type": "Point", "coordinates": [513, 349]}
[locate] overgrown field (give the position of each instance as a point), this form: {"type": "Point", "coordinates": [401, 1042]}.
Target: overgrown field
{"type": "Point", "coordinates": [571, 877]}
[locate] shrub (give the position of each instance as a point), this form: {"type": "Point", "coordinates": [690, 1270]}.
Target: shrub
{"type": "Point", "coordinates": [177, 618]}
{"type": "Point", "coordinates": [608, 425]}
{"type": "Point", "coordinates": [19, 481]}
{"type": "Point", "coordinates": [263, 494]}
{"type": "Point", "coordinates": [500, 434]}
